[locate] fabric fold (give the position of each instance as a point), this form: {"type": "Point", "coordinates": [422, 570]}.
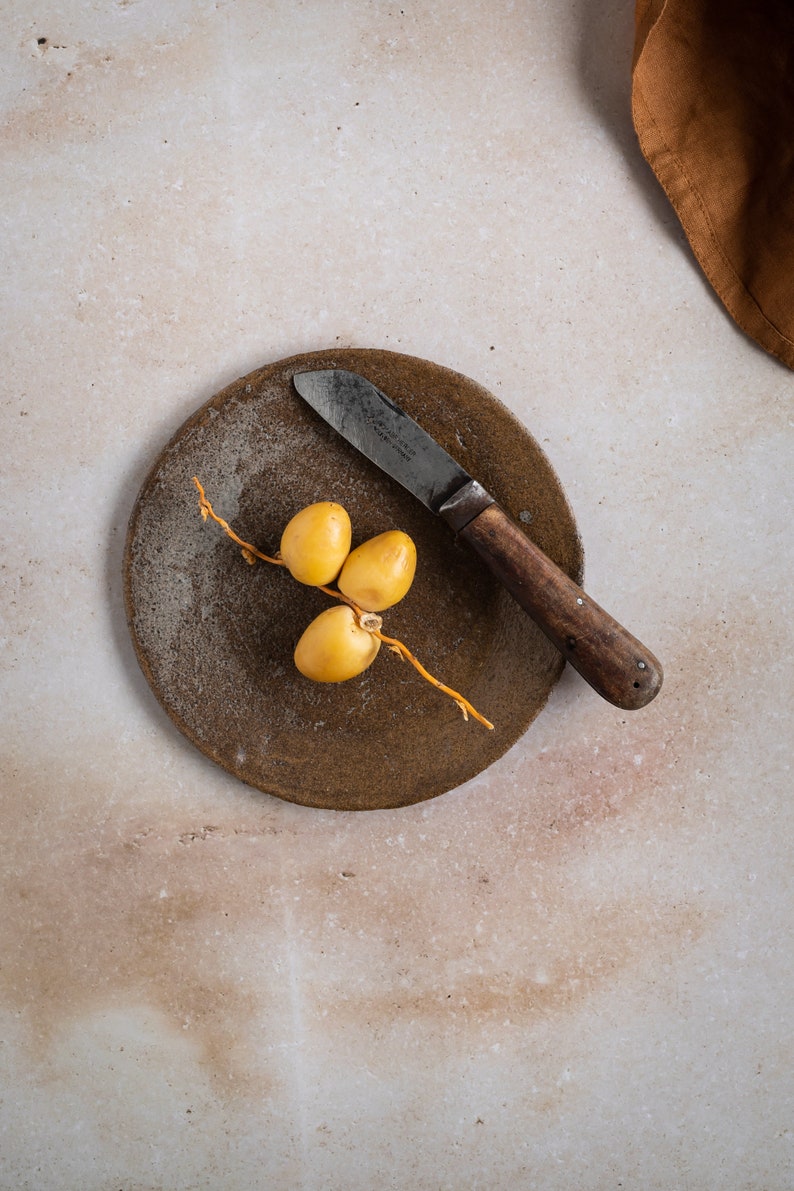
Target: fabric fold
{"type": "Point", "coordinates": [713, 109]}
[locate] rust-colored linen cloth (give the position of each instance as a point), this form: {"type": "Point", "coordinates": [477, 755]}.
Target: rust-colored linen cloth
{"type": "Point", "coordinates": [713, 108]}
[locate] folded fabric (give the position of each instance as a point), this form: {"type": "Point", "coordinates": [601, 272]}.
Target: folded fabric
{"type": "Point", "coordinates": [713, 108]}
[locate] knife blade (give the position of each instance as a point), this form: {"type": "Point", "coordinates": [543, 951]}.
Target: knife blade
{"type": "Point", "coordinates": [606, 655]}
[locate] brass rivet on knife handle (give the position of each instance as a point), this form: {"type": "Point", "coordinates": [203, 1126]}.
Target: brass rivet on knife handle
{"type": "Point", "coordinates": [606, 655]}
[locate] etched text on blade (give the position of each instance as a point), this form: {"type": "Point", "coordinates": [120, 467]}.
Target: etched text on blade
{"type": "Point", "coordinates": [378, 428]}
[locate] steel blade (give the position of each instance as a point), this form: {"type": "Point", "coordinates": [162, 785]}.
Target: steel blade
{"type": "Point", "coordinates": [378, 428]}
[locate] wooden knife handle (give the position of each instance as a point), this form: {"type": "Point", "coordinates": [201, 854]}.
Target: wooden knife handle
{"type": "Point", "coordinates": [606, 655]}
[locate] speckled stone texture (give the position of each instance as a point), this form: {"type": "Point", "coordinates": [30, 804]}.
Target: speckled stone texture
{"type": "Point", "coordinates": [215, 639]}
{"type": "Point", "coordinates": [575, 969]}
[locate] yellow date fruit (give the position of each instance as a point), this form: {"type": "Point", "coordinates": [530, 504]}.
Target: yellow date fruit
{"type": "Point", "coordinates": [334, 647]}
{"type": "Point", "coordinates": [379, 572]}
{"type": "Point", "coordinates": [316, 542]}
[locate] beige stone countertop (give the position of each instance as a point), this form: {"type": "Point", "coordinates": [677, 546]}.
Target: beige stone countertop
{"type": "Point", "coordinates": [575, 971]}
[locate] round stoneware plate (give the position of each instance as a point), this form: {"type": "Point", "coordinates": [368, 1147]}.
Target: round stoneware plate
{"type": "Point", "coordinates": [215, 636]}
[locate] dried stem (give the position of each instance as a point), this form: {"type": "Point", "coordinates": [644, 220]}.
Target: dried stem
{"type": "Point", "coordinates": [251, 554]}
{"type": "Point", "coordinates": [463, 703]}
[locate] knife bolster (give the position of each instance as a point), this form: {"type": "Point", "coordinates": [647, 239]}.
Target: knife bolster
{"type": "Point", "coordinates": [465, 504]}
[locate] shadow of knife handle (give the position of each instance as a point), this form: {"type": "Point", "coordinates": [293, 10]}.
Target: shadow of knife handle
{"type": "Point", "coordinates": [606, 655]}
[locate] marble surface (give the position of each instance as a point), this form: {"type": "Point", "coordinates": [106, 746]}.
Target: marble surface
{"type": "Point", "coordinates": [574, 971]}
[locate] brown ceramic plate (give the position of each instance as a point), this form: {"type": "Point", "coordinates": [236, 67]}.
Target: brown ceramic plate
{"type": "Point", "coordinates": [215, 636]}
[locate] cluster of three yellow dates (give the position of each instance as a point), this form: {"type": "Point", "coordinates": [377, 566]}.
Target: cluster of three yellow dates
{"type": "Point", "coordinates": [315, 547]}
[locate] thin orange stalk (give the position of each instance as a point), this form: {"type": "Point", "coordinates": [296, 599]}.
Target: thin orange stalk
{"type": "Point", "coordinates": [404, 652]}
{"type": "Point", "coordinates": [462, 702]}
{"type": "Point", "coordinates": [251, 554]}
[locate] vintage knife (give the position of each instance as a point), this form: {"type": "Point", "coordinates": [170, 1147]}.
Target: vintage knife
{"type": "Point", "coordinates": [606, 655]}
